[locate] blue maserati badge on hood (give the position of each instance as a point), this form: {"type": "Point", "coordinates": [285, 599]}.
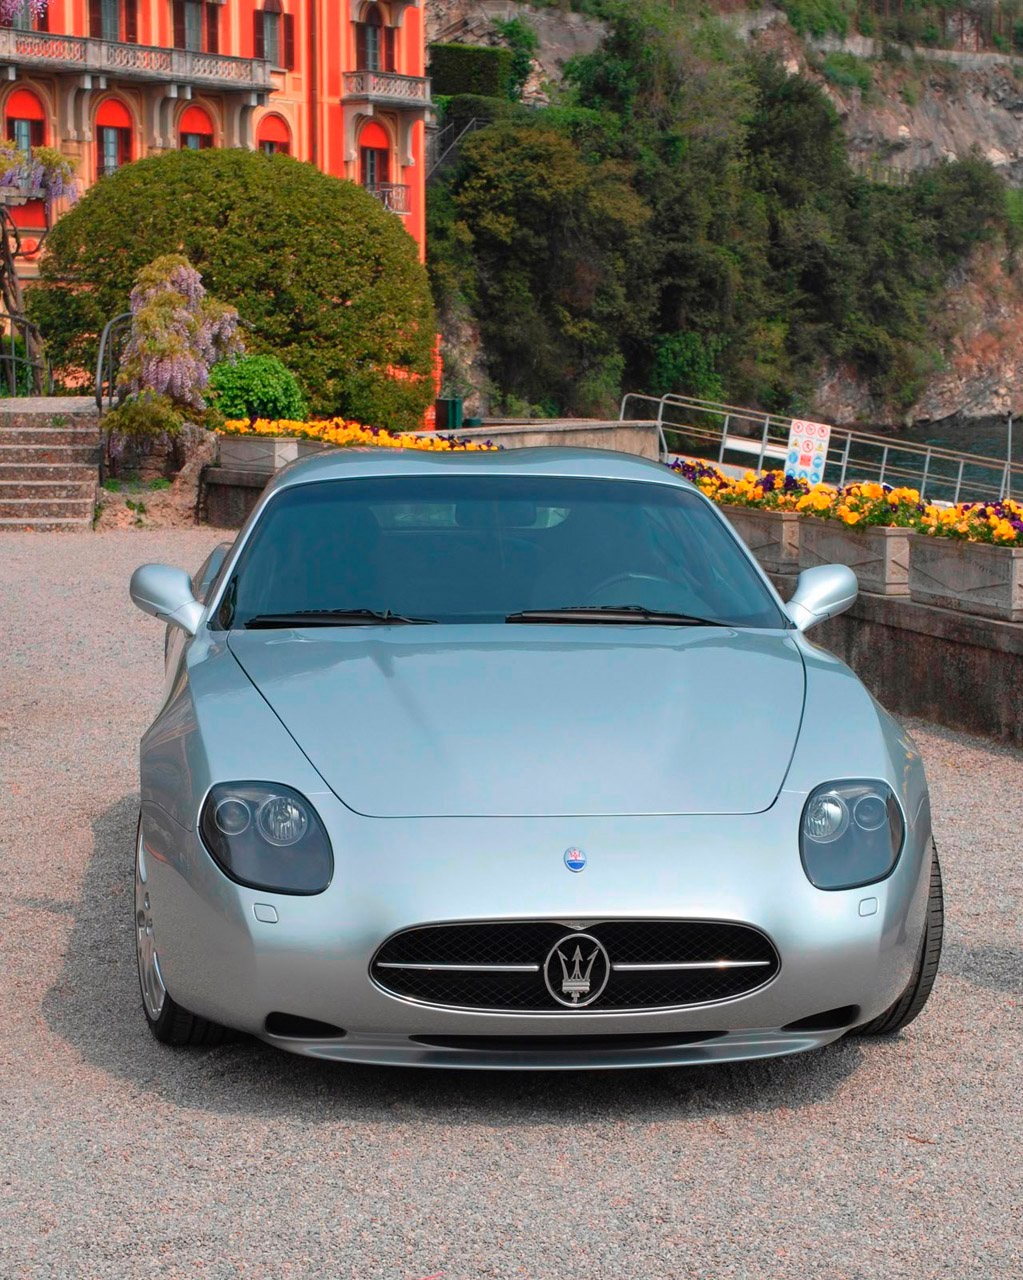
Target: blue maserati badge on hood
{"type": "Point", "coordinates": [575, 859]}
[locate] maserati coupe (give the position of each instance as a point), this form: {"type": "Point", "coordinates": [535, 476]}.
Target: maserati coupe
{"type": "Point", "coordinates": [518, 760]}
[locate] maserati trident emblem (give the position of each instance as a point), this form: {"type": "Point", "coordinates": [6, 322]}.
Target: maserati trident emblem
{"type": "Point", "coordinates": [575, 859]}
{"type": "Point", "coordinates": [576, 970]}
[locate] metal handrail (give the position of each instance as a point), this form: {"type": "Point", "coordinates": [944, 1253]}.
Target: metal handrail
{"type": "Point", "coordinates": [450, 147]}
{"type": "Point", "coordinates": [887, 459]}
{"type": "Point", "coordinates": [109, 359]}
{"type": "Point", "coordinates": [12, 361]}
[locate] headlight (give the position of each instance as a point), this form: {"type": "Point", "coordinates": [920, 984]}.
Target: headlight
{"type": "Point", "coordinates": [851, 834]}
{"type": "Point", "coordinates": [266, 837]}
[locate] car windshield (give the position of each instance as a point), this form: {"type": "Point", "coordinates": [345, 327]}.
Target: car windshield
{"type": "Point", "coordinates": [483, 548]}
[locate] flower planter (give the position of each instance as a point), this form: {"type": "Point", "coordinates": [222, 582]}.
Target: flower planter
{"type": "Point", "coordinates": [264, 453]}
{"type": "Point", "coordinates": [772, 536]}
{"type": "Point", "coordinates": [879, 556]}
{"type": "Point", "coordinates": [973, 577]}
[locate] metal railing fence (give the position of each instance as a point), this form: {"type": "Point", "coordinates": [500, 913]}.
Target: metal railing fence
{"type": "Point", "coordinates": [722, 432]}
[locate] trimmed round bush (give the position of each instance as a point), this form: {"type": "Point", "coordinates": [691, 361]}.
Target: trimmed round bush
{"type": "Point", "coordinates": [322, 275]}
{"type": "Point", "coordinates": [256, 387]}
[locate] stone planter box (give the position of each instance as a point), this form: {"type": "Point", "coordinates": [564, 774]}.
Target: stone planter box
{"type": "Point", "coordinates": [264, 453]}
{"type": "Point", "coordinates": [972, 577]}
{"type": "Point", "coordinates": [772, 536]}
{"type": "Point", "coordinates": [879, 557]}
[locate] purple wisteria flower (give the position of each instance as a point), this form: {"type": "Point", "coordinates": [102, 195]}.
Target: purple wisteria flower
{"type": "Point", "coordinates": [177, 335]}
{"type": "Point", "coordinates": [13, 9]}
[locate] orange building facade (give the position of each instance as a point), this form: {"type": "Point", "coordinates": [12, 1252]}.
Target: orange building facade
{"type": "Point", "coordinates": [339, 83]}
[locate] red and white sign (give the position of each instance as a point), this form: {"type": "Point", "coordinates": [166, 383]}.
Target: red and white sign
{"type": "Point", "coordinates": [808, 450]}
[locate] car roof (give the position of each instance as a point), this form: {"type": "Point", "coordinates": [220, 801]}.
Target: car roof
{"type": "Point", "coordinates": [344, 464]}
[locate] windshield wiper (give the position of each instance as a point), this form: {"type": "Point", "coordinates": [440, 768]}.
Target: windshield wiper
{"type": "Point", "coordinates": [333, 618]}
{"type": "Point", "coordinates": [614, 613]}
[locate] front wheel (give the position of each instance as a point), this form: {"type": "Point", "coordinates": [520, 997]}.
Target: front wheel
{"type": "Point", "coordinates": [168, 1020]}
{"type": "Point", "coordinates": [913, 999]}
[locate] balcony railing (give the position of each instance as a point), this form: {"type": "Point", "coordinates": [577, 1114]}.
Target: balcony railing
{"type": "Point", "coordinates": [131, 61]}
{"type": "Point", "coordinates": [392, 195]}
{"type": "Point", "coordinates": [387, 87]}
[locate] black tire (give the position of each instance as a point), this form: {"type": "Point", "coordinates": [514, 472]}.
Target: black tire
{"type": "Point", "coordinates": [173, 1024]}
{"type": "Point", "coordinates": [179, 1027]}
{"type": "Point", "coordinates": [913, 999]}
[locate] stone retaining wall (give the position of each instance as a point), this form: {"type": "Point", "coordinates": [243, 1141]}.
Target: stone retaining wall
{"type": "Point", "coordinates": [953, 668]}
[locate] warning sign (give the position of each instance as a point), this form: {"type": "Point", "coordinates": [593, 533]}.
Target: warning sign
{"type": "Point", "coordinates": [808, 450]}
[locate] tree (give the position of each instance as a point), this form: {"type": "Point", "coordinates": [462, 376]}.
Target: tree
{"type": "Point", "coordinates": [550, 238]}
{"type": "Point", "coordinates": [321, 274]}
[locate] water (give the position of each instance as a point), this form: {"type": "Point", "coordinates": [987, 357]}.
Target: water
{"type": "Point", "coordinates": [987, 436]}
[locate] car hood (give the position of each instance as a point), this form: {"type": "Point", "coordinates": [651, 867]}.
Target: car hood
{"type": "Point", "coordinates": [536, 721]}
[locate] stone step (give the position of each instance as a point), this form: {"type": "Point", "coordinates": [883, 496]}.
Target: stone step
{"type": "Point", "coordinates": [10, 489]}
{"type": "Point", "coordinates": [49, 435]}
{"type": "Point", "coordinates": [48, 508]}
{"type": "Point", "coordinates": [47, 453]}
{"type": "Point", "coordinates": [22, 471]}
{"type": "Point", "coordinates": [44, 525]}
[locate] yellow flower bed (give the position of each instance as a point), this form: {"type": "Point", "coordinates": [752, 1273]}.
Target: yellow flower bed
{"type": "Point", "coordinates": [998, 522]}
{"type": "Point", "coordinates": [867, 504]}
{"type": "Point", "coordinates": [345, 434]}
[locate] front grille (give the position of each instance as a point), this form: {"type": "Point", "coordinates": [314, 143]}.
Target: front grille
{"type": "Point", "coordinates": [501, 965]}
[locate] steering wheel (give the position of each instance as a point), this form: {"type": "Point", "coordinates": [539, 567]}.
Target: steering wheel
{"type": "Point", "coordinates": [616, 578]}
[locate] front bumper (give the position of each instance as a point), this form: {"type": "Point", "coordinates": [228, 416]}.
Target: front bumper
{"type": "Point", "coordinates": [849, 948]}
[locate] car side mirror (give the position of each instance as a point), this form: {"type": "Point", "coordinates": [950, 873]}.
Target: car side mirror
{"type": "Point", "coordinates": [822, 593]}
{"type": "Point", "coordinates": [166, 593]}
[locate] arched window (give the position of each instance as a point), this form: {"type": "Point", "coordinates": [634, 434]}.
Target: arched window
{"type": "Point", "coordinates": [195, 130]}
{"type": "Point", "coordinates": [374, 42]}
{"type": "Point", "coordinates": [374, 157]}
{"type": "Point", "coordinates": [114, 131]}
{"type": "Point", "coordinates": [273, 136]}
{"type": "Point", "coordinates": [274, 35]}
{"type": "Point", "coordinates": [25, 119]}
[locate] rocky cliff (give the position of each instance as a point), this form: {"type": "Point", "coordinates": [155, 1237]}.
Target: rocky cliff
{"type": "Point", "coordinates": [902, 110]}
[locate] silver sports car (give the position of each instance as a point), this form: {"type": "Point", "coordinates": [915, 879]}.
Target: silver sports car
{"type": "Point", "coordinates": [518, 760]}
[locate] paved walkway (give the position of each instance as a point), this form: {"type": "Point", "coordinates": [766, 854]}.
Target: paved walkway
{"type": "Point", "coordinates": [121, 1158]}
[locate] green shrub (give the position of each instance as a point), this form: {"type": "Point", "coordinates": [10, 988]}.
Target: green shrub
{"type": "Point", "coordinates": [848, 72]}
{"type": "Point", "coordinates": [471, 68]}
{"type": "Point", "coordinates": [321, 274]}
{"type": "Point", "coordinates": [1014, 206]}
{"type": "Point", "coordinates": [523, 42]}
{"type": "Point", "coordinates": [819, 17]}
{"type": "Point", "coordinates": [256, 387]}
{"type": "Point", "coordinates": [464, 107]}
{"type": "Point", "coordinates": [144, 417]}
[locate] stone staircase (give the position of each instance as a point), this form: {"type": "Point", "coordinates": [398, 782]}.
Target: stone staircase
{"type": "Point", "coordinates": [49, 456]}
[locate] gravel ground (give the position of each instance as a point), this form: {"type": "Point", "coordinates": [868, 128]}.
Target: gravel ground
{"type": "Point", "coordinates": [119, 1157]}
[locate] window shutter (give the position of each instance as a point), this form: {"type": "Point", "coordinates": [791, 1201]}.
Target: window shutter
{"type": "Point", "coordinates": [131, 21]}
{"type": "Point", "coordinates": [289, 41]}
{"type": "Point", "coordinates": [43, 20]}
{"type": "Point", "coordinates": [96, 19]}
{"type": "Point", "coordinates": [180, 36]}
{"type": "Point", "coordinates": [212, 29]}
{"type": "Point", "coordinates": [360, 46]}
{"type": "Point", "coordinates": [36, 132]}
{"type": "Point", "coordinates": [258, 35]}
{"type": "Point", "coordinates": [388, 59]}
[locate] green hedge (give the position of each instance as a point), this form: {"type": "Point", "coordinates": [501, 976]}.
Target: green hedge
{"type": "Point", "coordinates": [322, 275]}
{"type": "Point", "coordinates": [470, 68]}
